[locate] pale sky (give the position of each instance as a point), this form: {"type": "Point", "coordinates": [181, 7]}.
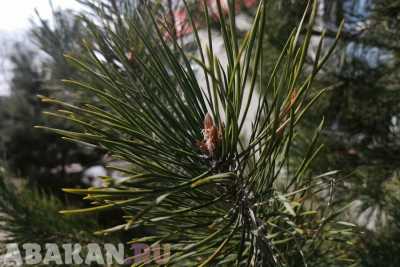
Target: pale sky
{"type": "Point", "coordinates": [15, 14]}
{"type": "Point", "coordinates": [15, 18]}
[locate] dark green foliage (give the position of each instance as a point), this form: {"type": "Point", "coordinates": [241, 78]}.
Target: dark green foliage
{"type": "Point", "coordinates": [40, 156]}
{"type": "Point", "coordinates": [381, 248]}
{"type": "Point", "coordinates": [28, 215]}
{"type": "Point", "coordinates": [361, 111]}
{"type": "Point", "coordinates": [196, 179]}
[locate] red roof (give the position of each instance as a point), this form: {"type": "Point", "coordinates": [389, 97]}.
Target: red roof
{"type": "Point", "coordinates": [181, 18]}
{"type": "Point", "coordinates": [249, 3]}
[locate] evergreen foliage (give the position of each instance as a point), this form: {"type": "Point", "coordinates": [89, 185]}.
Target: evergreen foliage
{"type": "Point", "coordinates": [197, 180]}
{"type": "Point", "coordinates": [28, 215]}
{"type": "Point", "coordinates": [361, 113]}
{"type": "Point", "coordinates": [39, 156]}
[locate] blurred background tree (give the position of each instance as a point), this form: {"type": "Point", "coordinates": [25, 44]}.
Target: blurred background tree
{"type": "Point", "coordinates": [45, 162]}
{"type": "Point", "coordinates": [37, 70]}
{"type": "Point", "coordinates": [361, 108]}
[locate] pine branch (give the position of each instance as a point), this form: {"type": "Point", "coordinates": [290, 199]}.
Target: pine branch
{"type": "Point", "coordinates": [220, 191]}
{"type": "Point", "coordinates": [28, 215]}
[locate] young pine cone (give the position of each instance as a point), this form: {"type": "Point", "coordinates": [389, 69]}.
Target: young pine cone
{"type": "Point", "coordinates": [212, 136]}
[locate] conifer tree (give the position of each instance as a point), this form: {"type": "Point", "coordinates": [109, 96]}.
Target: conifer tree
{"type": "Point", "coordinates": [37, 70]}
{"type": "Point", "coordinates": [361, 112]}
{"type": "Point", "coordinates": [219, 193]}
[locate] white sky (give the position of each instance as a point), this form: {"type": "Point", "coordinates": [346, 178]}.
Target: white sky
{"type": "Point", "coordinates": [15, 14]}
{"type": "Point", "coordinates": [15, 18]}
